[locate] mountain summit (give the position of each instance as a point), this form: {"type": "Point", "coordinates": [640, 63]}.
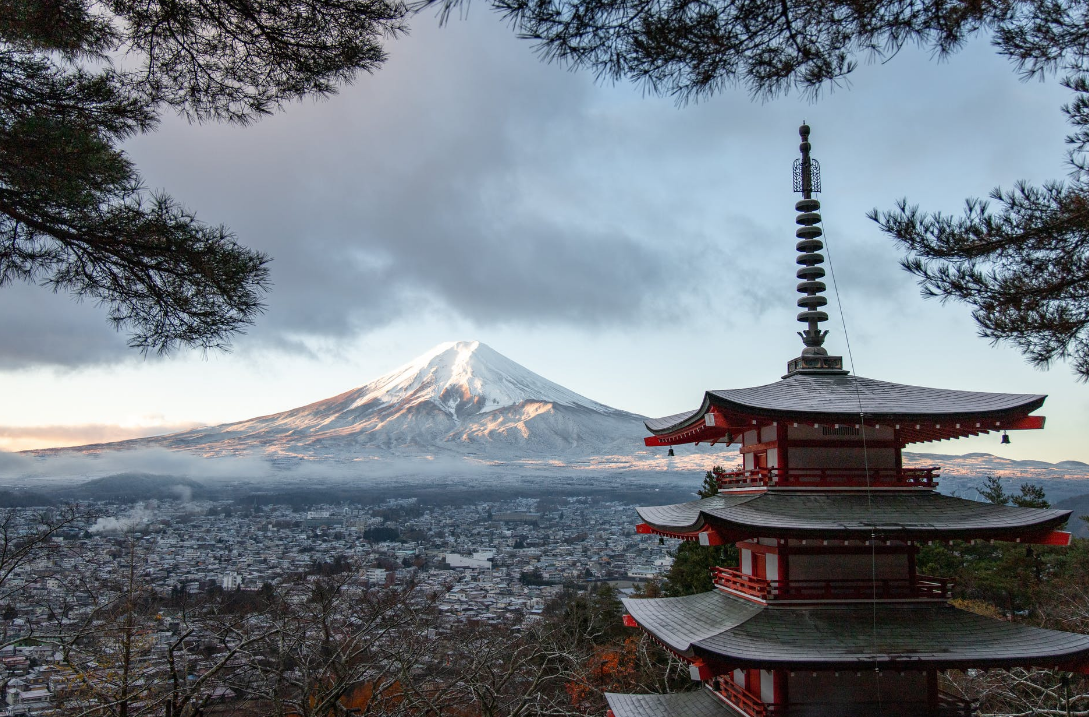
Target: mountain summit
{"type": "Point", "coordinates": [458, 398]}
{"type": "Point", "coordinates": [466, 378]}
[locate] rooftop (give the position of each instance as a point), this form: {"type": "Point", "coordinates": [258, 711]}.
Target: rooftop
{"type": "Point", "coordinates": [921, 413]}
{"type": "Point", "coordinates": [731, 631]}
{"type": "Point", "coordinates": [924, 515]}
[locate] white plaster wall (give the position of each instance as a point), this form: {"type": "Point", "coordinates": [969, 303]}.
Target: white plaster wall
{"type": "Point", "coordinates": [767, 686]}
{"type": "Point", "coordinates": [772, 566]}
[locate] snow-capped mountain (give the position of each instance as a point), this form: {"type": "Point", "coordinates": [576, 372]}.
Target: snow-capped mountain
{"type": "Point", "coordinates": [459, 398]}
{"type": "Point", "coordinates": [466, 378]}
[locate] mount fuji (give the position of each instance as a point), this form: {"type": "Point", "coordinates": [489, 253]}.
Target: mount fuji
{"type": "Point", "coordinates": [460, 398]}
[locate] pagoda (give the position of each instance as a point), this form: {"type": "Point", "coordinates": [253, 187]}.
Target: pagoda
{"type": "Point", "coordinates": [826, 615]}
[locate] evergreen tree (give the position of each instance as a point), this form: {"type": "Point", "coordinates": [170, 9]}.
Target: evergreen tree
{"type": "Point", "coordinates": [993, 492]}
{"type": "Point", "coordinates": [1032, 496]}
{"type": "Point", "coordinates": [710, 483]}
{"type": "Point", "coordinates": [692, 562]}
{"type": "Point", "coordinates": [74, 213]}
{"type": "Point", "coordinates": [691, 569]}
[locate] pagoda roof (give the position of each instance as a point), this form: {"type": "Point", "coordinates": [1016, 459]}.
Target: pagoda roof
{"type": "Point", "coordinates": [835, 636]}
{"type": "Point", "coordinates": [837, 398]}
{"type": "Point", "coordinates": [923, 515]}
{"type": "Point", "coordinates": [698, 703]}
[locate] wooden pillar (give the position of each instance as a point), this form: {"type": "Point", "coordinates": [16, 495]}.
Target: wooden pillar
{"type": "Point", "coordinates": [899, 450]}
{"type": "Point", "coordinates": [780, 683]}
{"type": "Point", "coordinates": [781, 446]}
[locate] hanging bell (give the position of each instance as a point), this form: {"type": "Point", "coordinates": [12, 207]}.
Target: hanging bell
{"type": "Point", "coordinates": [670, 454]}
{"type": "Point", "coordinates": [1005, 438]}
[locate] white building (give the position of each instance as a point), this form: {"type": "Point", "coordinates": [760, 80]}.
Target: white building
{"type": "Point", "coordinates": [481, 559]}
{"type": "Point", "coordinates": [375, 575]}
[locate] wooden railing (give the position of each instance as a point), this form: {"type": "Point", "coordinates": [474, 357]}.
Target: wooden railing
{"type": "Point", "coordinates": [829, 478]}
{"type": "Point", "coordinates": [738, 581]}
{"type": "Point", "coordinates": [922, 587]}
{"type": "Point", "coordinates": [729, 691]}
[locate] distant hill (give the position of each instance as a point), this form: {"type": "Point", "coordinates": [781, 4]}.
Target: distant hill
{"type": "Point", "coordinates": [133, 487]}
{"type": "Point", "coordinates": [1080, 505]}
{"type": "Point", "coordinates": [963, 475]}
{"type": "Point", "coordinates": [24, 499]}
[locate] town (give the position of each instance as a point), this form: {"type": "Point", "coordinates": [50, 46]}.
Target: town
{"type": "Point", "coordinates": [493, 562]}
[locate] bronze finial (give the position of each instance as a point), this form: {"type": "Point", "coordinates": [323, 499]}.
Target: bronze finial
{"type": "Point", "coordinates": [807, 180]}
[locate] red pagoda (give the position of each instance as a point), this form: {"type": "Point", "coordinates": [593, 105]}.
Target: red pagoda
{"type": "Point", "coordinates": [826, 615]}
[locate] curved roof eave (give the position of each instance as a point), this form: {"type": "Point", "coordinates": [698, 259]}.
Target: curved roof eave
{"type": "Point", "coordinates": [925, 636]}
{"type": "Point", "coordinates": [832, 397]}
{"type": "Point", "coordinates": [678, 622]}
{"type": "Point", "coordinates": [699, 703]}
{"type": "Point", "coordinates": [730, 631]}
{"type": "Point", "coordinates": [920, 516]}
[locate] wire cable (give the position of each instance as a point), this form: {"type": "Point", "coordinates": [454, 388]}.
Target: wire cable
{"type": "Point", "coordinates": [865, 459]}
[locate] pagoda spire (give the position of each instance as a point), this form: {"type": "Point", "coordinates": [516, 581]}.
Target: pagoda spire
{"type": "Point", "coordinates": [807, 180]}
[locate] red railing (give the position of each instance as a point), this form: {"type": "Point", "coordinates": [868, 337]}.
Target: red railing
{"type": "Point", "coordinates": [729, 691]}
{"type": "Point", "coordinates": [738, 581]}
{"type": "Point", "coordinates": [922, 587]}
{"type": "Point", "coordinates": [829, 478]}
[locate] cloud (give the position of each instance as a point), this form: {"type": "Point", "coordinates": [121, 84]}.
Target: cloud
{"type": "Point", "coordinates": [67, 467]}
{"type": "Point", "coordinates": [40, 327]}
{"type": "Point", "coordinates": [467, 180]}
{"type": "Point", "coordinates": [464, 179]}
{"type": "Point", "coordinates": [23, 438]}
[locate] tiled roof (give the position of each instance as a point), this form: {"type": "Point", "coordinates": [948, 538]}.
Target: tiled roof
{"type": "Point", "coordinates": [684, 517]}
{"type": "Point", "coordinates": [865, 634]}
{"type": "Point", "coordinates": [845, 396]}
{"type": "Point", "coordinates": [668, 422]}
{"type": "Point", "coordinates": [849, 635]}
{"type": "Point", "coordinates": [700, 703]}
{"type": "Point", "coordinates": [679, 622]}
{"type": "Point", "coordinates": [922, 515]}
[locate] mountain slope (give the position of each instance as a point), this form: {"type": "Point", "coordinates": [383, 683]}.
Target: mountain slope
{"type": "Point", "coordinates": [459, 398]}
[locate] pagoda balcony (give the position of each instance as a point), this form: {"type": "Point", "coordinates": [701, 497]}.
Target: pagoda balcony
{"type": "Point", "coordinates": [735, 696]}
{"type": "Point", "coordinates": [924, 587]}
{"type": "Point", "coordinates": [828, 478]}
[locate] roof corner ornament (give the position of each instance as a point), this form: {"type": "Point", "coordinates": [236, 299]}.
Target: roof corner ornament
{"type": "Point", "coordinates": [807, 180]}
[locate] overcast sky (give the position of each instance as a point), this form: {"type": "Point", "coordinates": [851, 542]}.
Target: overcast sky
{"type": "Point", "coordinates": [636, 252]}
